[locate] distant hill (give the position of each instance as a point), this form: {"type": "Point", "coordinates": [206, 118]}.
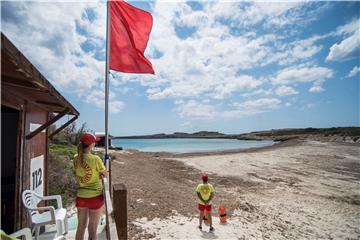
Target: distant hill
{"type": "Point", "coordinates": [339, 134]}
{"type": "Point", "coordinates": [201, 134]}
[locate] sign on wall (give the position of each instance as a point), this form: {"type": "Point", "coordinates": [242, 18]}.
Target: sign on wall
{"type": "Point", "coordinates": [37, 174]}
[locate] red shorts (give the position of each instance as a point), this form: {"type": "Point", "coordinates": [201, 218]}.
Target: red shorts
{"type": "Point", "coordinates": [91, 203]}
{"type": "Point", "coordinates": [203, 207]}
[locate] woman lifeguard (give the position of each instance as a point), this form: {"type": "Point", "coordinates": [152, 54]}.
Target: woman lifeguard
{"type": "Point", "coordinates": [89, 169]}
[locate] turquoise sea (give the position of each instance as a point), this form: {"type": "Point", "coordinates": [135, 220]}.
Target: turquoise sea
{"type": "Point", "coordinates": [188, 145]}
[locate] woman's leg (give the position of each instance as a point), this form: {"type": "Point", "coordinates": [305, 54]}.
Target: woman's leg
{"type": "Point", "coordinates": [201, 218]}
{"type": "Point", "coordinates": [94, 216]}
{"type": "Point", "coordinates": [82, 222]}
{"type": "Point", "coordinates": [210, 218]}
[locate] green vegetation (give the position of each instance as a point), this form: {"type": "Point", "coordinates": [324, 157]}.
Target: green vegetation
{"type": "Point", "coordinates": [63, 150]}
{"type": "Point", "coordinates": [62, 180]}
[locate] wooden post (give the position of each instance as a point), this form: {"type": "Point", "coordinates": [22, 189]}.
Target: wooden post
{"type": "Point", "coordinates": [120, 209]}
{"type": "Point", "coordinates": [110, 183]}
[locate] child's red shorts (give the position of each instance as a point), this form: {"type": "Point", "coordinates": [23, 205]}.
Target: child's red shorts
{"type": "Point", "coordinates": [91, 203]}
{"type": "Point", "coordinates": [203, 207]}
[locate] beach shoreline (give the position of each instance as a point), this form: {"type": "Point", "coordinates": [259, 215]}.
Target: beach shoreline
{"type": "Point", "coordinates": [208, 153]}
{"type": "Point", "coordinates": [299, 188]}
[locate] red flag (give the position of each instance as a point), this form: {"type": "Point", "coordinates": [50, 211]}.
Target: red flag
{"type": "Point", "coordinates": [130, 28]}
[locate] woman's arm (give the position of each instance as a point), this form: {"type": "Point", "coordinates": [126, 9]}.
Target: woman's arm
{"type": "Point", "coordinates": [211, 196]}
{"type": "Point", "coordinates": [200, 197]}
{"type": "Point", "coordinates": [103, 173]}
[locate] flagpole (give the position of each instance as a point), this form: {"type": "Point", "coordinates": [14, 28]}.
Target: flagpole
{"type": "Point", "coordinates": [106, 158]}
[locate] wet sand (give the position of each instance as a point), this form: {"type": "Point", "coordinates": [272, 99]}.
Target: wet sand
{"type": "Point", "coordinates": [294, 190]}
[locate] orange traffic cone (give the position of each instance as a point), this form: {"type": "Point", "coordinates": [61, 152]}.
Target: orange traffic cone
{"type": "Point", "coordinates": [222, 213]}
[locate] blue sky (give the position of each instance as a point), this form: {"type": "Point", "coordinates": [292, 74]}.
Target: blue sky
{"type": "Point", "coordinates": [223, 66]}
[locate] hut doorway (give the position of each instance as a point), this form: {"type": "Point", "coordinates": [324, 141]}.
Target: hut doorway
{"type": "Point", "coordinates": [9, 138]}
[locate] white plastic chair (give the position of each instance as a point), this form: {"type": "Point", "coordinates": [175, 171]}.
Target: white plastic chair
{"type": "Point", "coordinates": [41, 216]}
{"type": "Point", "coordinates": [25, 232]}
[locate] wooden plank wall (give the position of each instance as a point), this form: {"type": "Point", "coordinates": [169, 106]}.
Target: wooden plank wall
{"type": "Point", "coordinates": [34, 147]}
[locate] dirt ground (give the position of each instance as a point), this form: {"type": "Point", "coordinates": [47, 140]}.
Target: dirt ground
{"type": "Point", "coordinates": [294, 190]}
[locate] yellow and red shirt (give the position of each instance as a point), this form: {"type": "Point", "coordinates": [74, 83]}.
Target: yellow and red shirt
{"type": "Point", "coordinates": [87, 173]}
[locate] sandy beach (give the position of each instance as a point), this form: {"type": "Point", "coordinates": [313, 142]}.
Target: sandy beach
{"type": "Point", "coordinates": [299, 189]}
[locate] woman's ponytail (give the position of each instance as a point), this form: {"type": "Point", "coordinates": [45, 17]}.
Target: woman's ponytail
{"type": "Point", "coordinates": [80, 150]}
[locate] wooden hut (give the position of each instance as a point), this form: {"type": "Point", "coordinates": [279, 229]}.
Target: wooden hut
{"type": "Point", "coordinates": [29, 105]}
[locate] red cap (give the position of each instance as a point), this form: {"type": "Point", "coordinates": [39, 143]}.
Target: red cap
{"type": "Point", "coordinates": [205, 177]}
{"type": "Point", "coordinates": [89, 138]}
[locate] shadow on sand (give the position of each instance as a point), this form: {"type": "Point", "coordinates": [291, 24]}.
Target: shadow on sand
{"type": "Point", "coordinates": [208, 235]}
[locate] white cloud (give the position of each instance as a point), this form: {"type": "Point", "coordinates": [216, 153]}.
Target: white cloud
{"type": "Point", "coordinates": [305, 48]}
{"type": "Point", "coordinates": [348, 28]}
{"type": "Point", "coordinates": [301, 74]}
{"type": "Point", "coordinates": [285, 91]}
{"type": "Point", "coordinates": [317, 86]}
{"type": "Point", "coordinates": [116, 106]}
{"type": "Point", "coordinates": [253, 107]}
{"type": "Point", "coordinates": [354, 72]}
{"type": "Point", "coordinates": [196, 110]}
{"type": "Point", "coordinates": [269, 14]}
{"type": "Point", "coordinates": [298, 50]}
{"type": "Point", "coordinates": [262, 92]}
{"type": "Point", "coordinates": [274, 13]}
{"type": "Point", "coordinates": [348, 47]}
{"type": "Point", "coordinates": [235, 84]}
{"type": "Point", "coordinates": [259, 104]}
{"type": "Point", "coordinates": [97, 98]}
{"type": "Point", "coordinates": [316, 89]}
